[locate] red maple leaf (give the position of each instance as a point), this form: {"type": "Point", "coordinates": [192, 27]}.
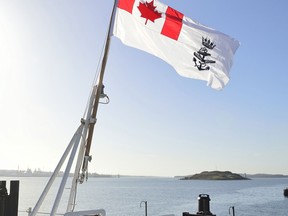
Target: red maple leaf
{"type": "Point", "coordinates": [148, 11]}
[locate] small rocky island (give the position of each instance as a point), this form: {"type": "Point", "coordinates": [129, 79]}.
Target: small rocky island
{"type": "Point", "coordinates": [215, 175]}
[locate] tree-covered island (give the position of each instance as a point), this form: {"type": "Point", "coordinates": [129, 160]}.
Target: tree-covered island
{"type": "Point", "coordinates": [215, 175]}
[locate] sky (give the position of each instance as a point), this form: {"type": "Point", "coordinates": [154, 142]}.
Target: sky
{"type": "Point", "coordinates": [157, 123]}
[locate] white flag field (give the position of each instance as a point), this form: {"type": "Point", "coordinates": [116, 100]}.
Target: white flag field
{"type": "Point", "coordinates": [193, 50]}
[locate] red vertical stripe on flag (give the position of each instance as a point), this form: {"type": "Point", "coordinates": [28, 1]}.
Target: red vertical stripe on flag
{"type": "Point", "coordinates": [173, 23]}
{"type": "Point", "coordinates": [126, 5]}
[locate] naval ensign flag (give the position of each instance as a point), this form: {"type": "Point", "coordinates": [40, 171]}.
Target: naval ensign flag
{"type": "Point", "coordinates": [194, 50]}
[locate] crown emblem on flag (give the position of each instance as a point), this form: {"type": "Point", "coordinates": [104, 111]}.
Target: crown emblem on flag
{"type": "Point", "coordinates": [208, 43]}
{"type": "Point", "coordinates": [200, 57]}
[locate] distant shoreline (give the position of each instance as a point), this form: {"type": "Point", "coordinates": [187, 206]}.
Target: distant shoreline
{"type": "Point", "coordinates": [267, 176]}
{"type": "Point", "coordinates": [39, 173]}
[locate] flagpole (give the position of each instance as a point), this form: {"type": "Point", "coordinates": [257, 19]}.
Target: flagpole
{"type": "Point", "coordinates": [100, 81]}
{"type": "Point", "coordinates": [90, 121]}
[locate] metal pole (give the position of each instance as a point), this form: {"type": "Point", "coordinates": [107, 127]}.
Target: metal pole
{"type": "Point", "coordinates": [91, 117]}
{"type": "Point", "coordinates": [75, 179]}
{"type": "Point", "coordinates": [54, 175]}
{"type": "Point", "coordinates": [67, 171]}
{"type": "Point", "coordinates": [233, 210]}
{"type": "Point", "coordinates": [145, 202]}
{"type": "Point", "coordinates": [100, 80]}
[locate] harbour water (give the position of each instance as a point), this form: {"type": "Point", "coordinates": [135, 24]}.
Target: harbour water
{"type": "Point", "coordinates": [122, 196]}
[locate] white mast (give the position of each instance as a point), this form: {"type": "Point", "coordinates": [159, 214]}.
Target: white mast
{"type": "Point", "coordinates": [82, 136]}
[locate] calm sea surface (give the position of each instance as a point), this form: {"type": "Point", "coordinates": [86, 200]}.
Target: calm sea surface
{"type": "Point", "coordinates": [122, 196]}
